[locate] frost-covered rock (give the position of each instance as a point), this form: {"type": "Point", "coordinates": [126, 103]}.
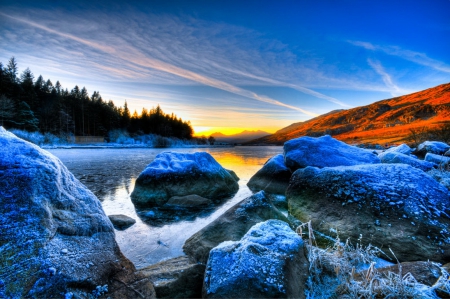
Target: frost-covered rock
{"type": "Point", "coordinates": [121, 221]}
{"type": "Point", "coordinates": [434, 147]}
{"type": "Point", "coordinates": [268, 262]}
{"type": "Point", "coordinates": [391, 205]}
{"type": "Point", "coordinates": [273, 177]}
{"type": "Point", "coordinates": [55, 238]}
{"type": "Point", "coordinates": [441, 161]}
{"type": "Point", "coordinates": [442, 177]}
{"type": "Point", "coordinates": [426, 273]}
{"type": "Point", "coordinates": [324, 151]}
{"type": "Point", "coordinates": [232, 225]}
{"type": "Point", "coordinates": [397, 157]}
{"type": "Point", "coordinates": [402, 149]}
{"type": "Point", "coordinates": [180, 174]}
{"type": "Point", "coordinates": [176, 278]}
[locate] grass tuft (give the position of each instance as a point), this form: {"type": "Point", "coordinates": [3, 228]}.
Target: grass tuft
{"type": "Point", "coordinates": [336, 272]}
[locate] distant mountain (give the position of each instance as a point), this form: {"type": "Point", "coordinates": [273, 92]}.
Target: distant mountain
{"type": "Point", "coordinates": [242, 137]}
{"type": "Point", "coordinates": [386, 121]}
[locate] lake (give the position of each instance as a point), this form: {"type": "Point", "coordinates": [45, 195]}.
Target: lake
{"type": "Point", "coordinates": [110, 173]}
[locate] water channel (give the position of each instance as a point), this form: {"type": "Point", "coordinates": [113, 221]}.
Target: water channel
{"type": "Point", "coordinates": [110, 174]}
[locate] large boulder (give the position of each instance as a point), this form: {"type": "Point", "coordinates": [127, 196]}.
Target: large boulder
{"type": "Point", "coordinates": [439, 160]}
{"type": "Point", "coordinates": [55, 239]}
{"type": "Point", "coordinates": [273, 177]}
{"type": "Point", "coordinates": [324, 151]}
{"type": "Point", "coordinates": [268, 262]}
{"type": "Point", "coordinates": [433, 147]}
{"type": "Point", "coordinates": [176, 278]}
{"type": "Point", "coordinates": [397, 157]}
{"type": "Point", "coordinates": [391, 205]}
{"type": "Point", "coordinates": [231, 226]}
{"type": "Point", "coordinates": [180, 174]}
{"type": "Point", "coordinates": [402, 149]}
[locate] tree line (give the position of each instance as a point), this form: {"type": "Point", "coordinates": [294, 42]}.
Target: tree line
{"type": "Point", "coordinates": [40, 105]}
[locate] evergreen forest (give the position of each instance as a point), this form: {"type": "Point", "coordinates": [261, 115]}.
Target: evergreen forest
{"type": "Point", "coordinates": [40, 105]}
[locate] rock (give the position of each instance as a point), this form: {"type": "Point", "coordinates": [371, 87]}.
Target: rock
{"type": "Point", "coordinates": [426, 273]}
{"type": "Point", "coordinates": [446, 183]}
{"type": "Point", "coordinates": [51, 228]}
{"type": "Point", "coordinates": [268, 262]}
{"type": "Point", "coordinates": [441, 161]}
{"type": "Point", "coordinates": [233, 174]}
{"type": "Point", "coordinates": [391, 205]}
{"type": "Point", "coordinates": [397, 157]}
{"type": "Point", "coordinates": [442, 177]}
{"type": "Point", "coordinates": [121, 222]}
{"type": "Point", "coordinates": [324, 151]}
{"type": "Point", "coordinates": [273, 177]}
{"type": "Point", "coordinates": [433, 147]}
{"type": "Point", "coordinates": [176, 278]}
{"type": "Point", "coordinates": [402, 149]}
{"type": "Point", "coordinates": [180, 174]}
{"type": "Point", "coordinates": [232, 225]}
{"type": "Point", "coordinates": [188, 201]}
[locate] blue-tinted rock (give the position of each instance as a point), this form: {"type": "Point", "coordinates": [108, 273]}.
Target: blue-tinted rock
{"type": "Point", "coordinates": [391, 205]}
{"type": "Point", "coordinates": [180, 174]}
{"type": "Point", "coordinates": [273, 177]}
{"type": "Point", "coordinates": [397, 157]}
{"type": "Point", "coordinates": [268, 262]}
{"type": "Point", "coordinates": [54, 236]}
{"type": "Point", "coordinates": [324, 151]}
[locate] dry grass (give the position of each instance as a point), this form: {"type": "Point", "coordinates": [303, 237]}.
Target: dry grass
{"type": "Point", "coordinates": [335, 273]}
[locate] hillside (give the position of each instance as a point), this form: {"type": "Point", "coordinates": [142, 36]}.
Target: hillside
{"type": "Point", "coordinates": [242, 137]}
{"type": "Point", "coordinates": [386, 121]}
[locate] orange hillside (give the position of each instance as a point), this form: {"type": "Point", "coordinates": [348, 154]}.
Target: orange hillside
{"type": "Point", "coordinates": [387, 121]}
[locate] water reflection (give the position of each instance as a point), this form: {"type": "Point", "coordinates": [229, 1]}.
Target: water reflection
{"type": "Point", "coordinates": [111, 175]}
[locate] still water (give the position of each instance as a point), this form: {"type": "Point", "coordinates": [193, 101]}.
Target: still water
{"type": "Point", "coordinates": [110, 173]}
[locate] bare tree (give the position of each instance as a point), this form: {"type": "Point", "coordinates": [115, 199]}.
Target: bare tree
{"type": "Point", "coordinates": [417, 135]}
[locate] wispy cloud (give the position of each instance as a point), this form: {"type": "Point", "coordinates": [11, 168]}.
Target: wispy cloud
{"type": "Point", "coordinates": [416, 57]}
{"type": "Point", "coordinates": [131, 54]}
{"type": "Point", "coordinates": [376, 65]}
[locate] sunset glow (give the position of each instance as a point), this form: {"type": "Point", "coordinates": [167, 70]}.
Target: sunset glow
{"type": "Point", "coordinates": [235, 66]}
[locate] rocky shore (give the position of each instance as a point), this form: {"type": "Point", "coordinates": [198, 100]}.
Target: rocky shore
{"type": "Point", "coordinates": [56, 241]}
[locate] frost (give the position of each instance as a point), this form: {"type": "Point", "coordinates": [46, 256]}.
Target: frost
{"type": "Point", "coordinates": [324, 151]}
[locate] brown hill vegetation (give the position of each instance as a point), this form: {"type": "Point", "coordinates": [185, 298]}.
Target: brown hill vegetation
{"type": "Point", "coordinates": [391, 121]}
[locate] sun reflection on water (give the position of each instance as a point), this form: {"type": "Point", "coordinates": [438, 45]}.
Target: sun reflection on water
{"type": "Point", "coordinates": [112, 175]}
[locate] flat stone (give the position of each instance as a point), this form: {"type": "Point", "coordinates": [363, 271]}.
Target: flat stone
{"type": "Point", "coordinates": [176, 278]}
{"type": "Point", "coordinates": [121, 222]}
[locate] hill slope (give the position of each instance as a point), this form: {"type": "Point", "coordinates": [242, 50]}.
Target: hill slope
{"type": "Point", "coordinates": [386, 121]}
{"type": "Point", "coordinates": [242, 137]}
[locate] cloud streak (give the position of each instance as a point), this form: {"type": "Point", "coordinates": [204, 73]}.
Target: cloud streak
{"type": "Point", "coordinates": [136, 57]}
{"type": "Point", "coordinates": [416, 57]}
{"type": "Point", "coordinates": [376, 65]}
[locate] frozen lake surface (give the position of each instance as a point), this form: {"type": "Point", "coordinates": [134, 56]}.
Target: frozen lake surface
{"type": "Point", "coordinates": [110, 174]}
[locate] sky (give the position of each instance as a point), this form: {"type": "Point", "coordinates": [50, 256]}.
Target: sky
{"type": "Point", "coordinates": [229, 66]}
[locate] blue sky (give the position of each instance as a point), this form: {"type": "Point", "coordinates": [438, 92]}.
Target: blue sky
{"type": "Point", "coordinates": [233, 65]}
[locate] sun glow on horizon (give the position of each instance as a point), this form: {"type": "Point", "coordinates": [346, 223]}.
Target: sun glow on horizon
{"type": "Point", "coordinates": [207, 131]}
